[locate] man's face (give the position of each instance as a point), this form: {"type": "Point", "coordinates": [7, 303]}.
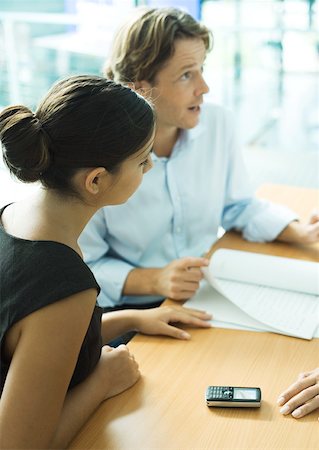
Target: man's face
{"type": "Point", "coordinates": [178, 90]}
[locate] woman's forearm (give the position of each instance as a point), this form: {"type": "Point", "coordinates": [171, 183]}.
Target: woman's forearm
{"type": "Point", "coordinates": [79, 405]}
{"type": "Point", "coordinates": [116, 323]}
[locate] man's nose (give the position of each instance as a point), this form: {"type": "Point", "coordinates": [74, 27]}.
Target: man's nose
{"type": "Point", "coordinates": [202, 87]}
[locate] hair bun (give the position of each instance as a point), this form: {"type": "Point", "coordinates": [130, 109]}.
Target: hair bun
{"type": "Point", "coordinates": [24, 143]}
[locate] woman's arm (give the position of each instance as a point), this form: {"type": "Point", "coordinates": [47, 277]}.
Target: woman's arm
{"type": "Point", "coordinates": [115, 372]}
{"type": "Point", "coordinates": [35, 409]}
{"type": "Point", "coordinates": [153, 321]}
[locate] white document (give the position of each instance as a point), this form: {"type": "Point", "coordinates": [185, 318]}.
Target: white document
{"type": "Point", "coordinates": [261, 293]}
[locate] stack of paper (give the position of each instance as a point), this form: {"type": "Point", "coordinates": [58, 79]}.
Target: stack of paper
{"type": "Point", "coordinates": [260, 292]}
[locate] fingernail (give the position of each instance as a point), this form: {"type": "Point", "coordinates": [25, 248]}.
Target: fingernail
{"type": "Point", "coordinates": [284, 409]}
{"type": "Point", "coordinates": [185, 335]}
{"type": "Point", "coordinates": [206, 261]}
{"type": "Point", "coordinates": [296, 413]}
{"type": "Point", "coordinates": [281, 401]}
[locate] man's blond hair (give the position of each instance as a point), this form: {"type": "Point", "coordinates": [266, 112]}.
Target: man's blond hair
{"type": "Point", "coordinates": [147, 40]}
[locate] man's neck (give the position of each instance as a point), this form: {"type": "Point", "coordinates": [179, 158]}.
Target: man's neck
{"type": "Point", "coordinates": [165, 139]}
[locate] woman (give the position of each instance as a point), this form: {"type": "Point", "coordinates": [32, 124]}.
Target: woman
{"type": "Point", "coordinates": [89, 145]}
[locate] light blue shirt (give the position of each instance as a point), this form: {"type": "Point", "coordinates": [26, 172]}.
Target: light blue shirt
{"type": "Point", "coordinates": [178, 209]}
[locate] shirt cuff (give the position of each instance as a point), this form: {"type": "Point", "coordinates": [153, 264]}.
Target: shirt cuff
{"type": "Point", "coordinates": [110, 274]}
{"type": "Point", "coordinates": [267, 225]}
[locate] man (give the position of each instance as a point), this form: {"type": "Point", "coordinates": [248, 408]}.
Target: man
{"type": "Point", "coordinates": [151, 247]}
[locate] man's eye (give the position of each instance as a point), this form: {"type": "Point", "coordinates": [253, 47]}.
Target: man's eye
{"type": "Point", "coordinates": [186, 76]}
{"type": "Point", "coordinates": [145, 163]}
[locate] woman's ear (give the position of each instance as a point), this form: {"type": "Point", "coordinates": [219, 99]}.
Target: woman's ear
{"type": "Point", "coordinates": [95, 179]}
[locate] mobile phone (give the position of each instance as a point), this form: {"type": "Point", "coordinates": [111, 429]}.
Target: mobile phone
{"type": "Point", "coordinates": [233, 397]}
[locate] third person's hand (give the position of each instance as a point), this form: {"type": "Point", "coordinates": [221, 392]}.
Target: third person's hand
{"type": "Point", "coordinates": [302, 397]}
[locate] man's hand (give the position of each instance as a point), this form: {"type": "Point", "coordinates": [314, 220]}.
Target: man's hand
{"type": "Point", "coordinates": [179, 280]}
{"type": "Point", "coordinates": [302, 233]}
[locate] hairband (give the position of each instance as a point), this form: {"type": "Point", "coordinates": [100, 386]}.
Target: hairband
{"type": "Point", "coordinates": [44, 131]}
{"type": "Point", "coordinates": [47, 137]}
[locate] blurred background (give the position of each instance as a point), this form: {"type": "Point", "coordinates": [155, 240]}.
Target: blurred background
{"type": "Point", "coordinates": [264, 66]}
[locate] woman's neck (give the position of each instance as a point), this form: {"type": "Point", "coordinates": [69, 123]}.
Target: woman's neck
{"type": "Point", "coordinates": [50, 217]}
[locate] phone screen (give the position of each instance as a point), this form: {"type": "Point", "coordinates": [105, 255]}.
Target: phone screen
{"type": "Point", "coordinates": [245, 394]}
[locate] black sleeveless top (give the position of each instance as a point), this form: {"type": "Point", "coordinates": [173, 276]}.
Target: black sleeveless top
{"type": "Point", "coordinates": [35, 274]}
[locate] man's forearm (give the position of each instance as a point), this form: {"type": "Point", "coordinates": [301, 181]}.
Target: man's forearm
{"type": "Point", "coordinates": [292, 233]}
{"type": "Point", "coordinates": [141, 282]}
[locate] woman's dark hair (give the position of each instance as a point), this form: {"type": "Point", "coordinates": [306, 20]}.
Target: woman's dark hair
{"type": "Point", "coordinates": [83, 121]}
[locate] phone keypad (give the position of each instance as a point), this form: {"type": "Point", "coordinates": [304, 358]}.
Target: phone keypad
{"type": "Point", "coordinates": [220, 392]}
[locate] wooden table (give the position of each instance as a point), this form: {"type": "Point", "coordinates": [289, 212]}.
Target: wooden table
{"type": "Point", "coordinates": [166, 408]}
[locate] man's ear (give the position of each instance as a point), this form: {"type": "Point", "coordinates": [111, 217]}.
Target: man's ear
{"type": "Point", "coordinates": [143, 88]}
{"type": "Point", "coordinates": [94, 179]}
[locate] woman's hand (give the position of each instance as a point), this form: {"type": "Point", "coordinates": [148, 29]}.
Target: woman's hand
{"type": "Point", "coordinates": [302, 397]}
{"type": "Point", "coordinates": [117, 370]}
{"type": "Point", "coordinates": [179, 280]}
{"type": "Point", "coordinates": [158, 320]}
